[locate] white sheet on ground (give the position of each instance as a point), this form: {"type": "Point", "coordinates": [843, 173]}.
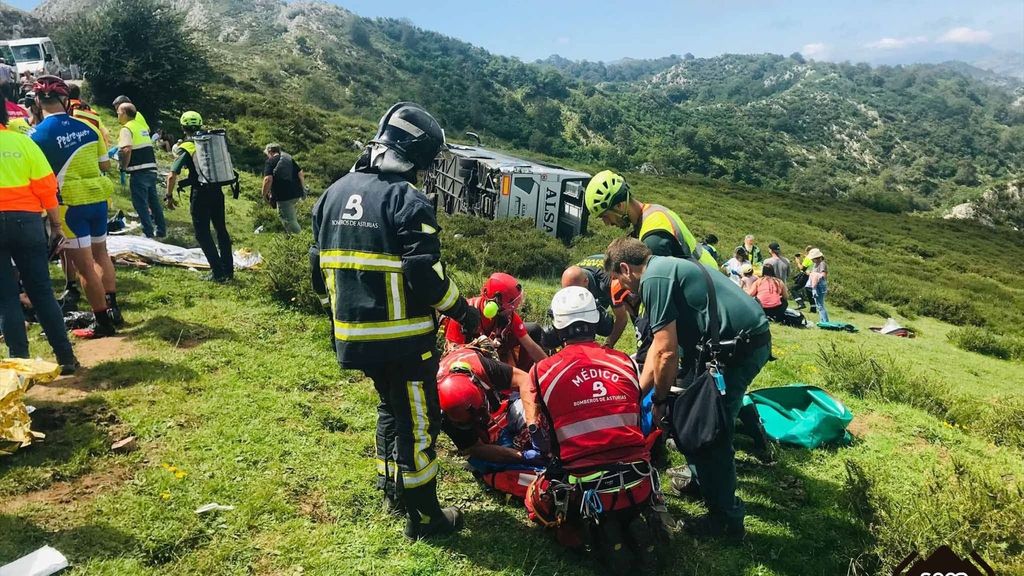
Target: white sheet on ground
{"type": "Point", "coordinates": [157, 252]}
{"type": "Point", "coordinates": [42, 562]}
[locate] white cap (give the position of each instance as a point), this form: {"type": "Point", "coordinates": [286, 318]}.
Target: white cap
{"type": "Point", "coordinates": [574, 304]}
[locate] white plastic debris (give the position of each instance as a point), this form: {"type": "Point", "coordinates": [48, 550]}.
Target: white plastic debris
{"type": "Point", "coordinates": [42, 562]}
{"type": "Point", "coordinates": [211, 507]}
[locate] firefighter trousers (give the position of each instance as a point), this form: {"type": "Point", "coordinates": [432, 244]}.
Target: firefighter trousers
{"type": "Point", "coordinates": [408, 421]}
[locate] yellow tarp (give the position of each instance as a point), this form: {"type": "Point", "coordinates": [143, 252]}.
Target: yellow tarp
{"type": "Point", "coordinates": [16, 375]}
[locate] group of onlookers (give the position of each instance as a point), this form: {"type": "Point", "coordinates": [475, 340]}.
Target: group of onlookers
{"type": "Point", "coordinates": [777, 284]}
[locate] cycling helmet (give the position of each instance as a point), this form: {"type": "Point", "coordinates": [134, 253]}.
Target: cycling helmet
{"type": "Point", "coordinates": [606, 189]}
{"type": "Point", "coordinates": [504, 291]}
{"type": "Point", "coordinates": [191, 119]}
{"type": "Point", "coordinates": [50, 87]}
{"type": "Point", "coordinates": [461, 400]}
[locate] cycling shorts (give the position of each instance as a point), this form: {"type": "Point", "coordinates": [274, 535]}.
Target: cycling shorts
{"type": "Point", "coordinates": [85, 224]}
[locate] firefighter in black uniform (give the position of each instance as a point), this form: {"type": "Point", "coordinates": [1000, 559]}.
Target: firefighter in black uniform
{"type": "Point", "coordinates": [376, 255]}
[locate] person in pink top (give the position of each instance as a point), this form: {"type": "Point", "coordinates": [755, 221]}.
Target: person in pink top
{"type": "Point", "coordinates": [771, 293]}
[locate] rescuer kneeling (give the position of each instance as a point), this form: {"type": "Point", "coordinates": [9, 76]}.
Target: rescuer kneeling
{"type": "Point", "coordinates": [599, 490]}
{"type": "Point", "coordinates": [488, 413]}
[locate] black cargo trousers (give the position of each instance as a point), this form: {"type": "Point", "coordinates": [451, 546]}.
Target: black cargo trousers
{"type": "Point", "coordinates": [408, 421]}
{"type": "Point", "coordinates": [206, 206]}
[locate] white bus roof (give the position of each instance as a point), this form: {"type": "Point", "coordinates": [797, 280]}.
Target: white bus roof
{"type": "Point", "coordinates": [22, 41]}
{"type": "Point", "coordinates": [500, 159]}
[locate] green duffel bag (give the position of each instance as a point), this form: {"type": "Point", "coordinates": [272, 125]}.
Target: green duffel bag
{"type": "Point", "coordinates": [801, 415]}
{"type": "Point", "coordinates": [838, 326]}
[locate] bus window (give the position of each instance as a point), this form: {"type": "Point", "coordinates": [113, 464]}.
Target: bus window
{"type": "Point", "coordinates": [6, 54]}
{"type": "Point", "coordinates": [27, 53]}
{"type": "Point", "coordinates": [48, 51]}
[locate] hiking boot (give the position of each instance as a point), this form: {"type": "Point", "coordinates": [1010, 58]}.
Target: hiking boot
{"type": "Point", "coordinates": [682, 482]}
{"type": "Point", "coordinates": [449, 522]}
{"type": "Point", "coordinates": [713, 526]}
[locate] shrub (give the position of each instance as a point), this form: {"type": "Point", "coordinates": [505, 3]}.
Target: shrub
{"type": "Point", "coordinates": [972, 494]}
{"type": "Point", "coordinates": [985, 342]}
{"type": "Point", "coordinates": [855, 370]}
{"type": "Point", "coordinates": [287, 273]}
{"type": "Point", "coordinates": [955, 310]}
{"type": "Point", "coordinates": [136, 47]}
{"type": "Point", "coordinates": [515, 246]}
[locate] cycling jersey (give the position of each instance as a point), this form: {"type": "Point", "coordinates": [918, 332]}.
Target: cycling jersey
{"type": "Point", "coordinates": [74, 150]}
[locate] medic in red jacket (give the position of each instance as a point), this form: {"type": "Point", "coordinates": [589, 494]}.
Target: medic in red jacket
{"type": "Point", "coordinates": [499, 299]}
{"type": "Point", "coordinates": [600, 483]}
{"type": "Point", "coordinates": [489, 418]}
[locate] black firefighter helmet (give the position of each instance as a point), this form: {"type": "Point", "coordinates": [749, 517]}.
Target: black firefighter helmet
{"type": "Point", "coordinates": [407, 137]}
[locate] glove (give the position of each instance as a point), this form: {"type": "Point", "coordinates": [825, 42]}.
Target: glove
{"type": "Point", "coordinates": [532, 457]}
{"type": "Point", "coordinates": [467, 316]}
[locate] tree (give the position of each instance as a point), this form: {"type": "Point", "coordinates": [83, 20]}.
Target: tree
{"type": "Point", "coordinates": [140, 48]}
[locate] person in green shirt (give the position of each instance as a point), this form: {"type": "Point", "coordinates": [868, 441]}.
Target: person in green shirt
{"type": "Point", "coordinates": [674, 293]}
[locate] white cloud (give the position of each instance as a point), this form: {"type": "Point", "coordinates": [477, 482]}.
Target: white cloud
{"type": "Point", "coordinates": [965, 35]}
{"type": "Point", "coordinates": [563, 40]}
{"type": "Point", "coordinates": [815, 50]}
{"type": "Point", "coordinates": [895, 43]}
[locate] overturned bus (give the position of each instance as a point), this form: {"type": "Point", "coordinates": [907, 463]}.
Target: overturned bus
{"type": "Point", "coordinates": [492, 185]}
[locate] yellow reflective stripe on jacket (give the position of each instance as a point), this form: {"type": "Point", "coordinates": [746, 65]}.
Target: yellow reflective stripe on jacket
{"type": "Point", "coordinates": [389, 330]}
{"type": "Point", "coordinates": [143, 156]}
{"type": "Point", "coordinates": [357, 260]}
{"type": "Point", "coordinates": [659, 218]}
{"type": "Point", "coordinates": [395, 286]}
{"type": "Point", "coordinates": [451, 296]}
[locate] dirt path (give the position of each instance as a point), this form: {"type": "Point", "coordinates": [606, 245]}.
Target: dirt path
{"type": "Point", "coordinates": [90, 353]}
{"type": "Point", "coordinates": [54, 395]}
{"type": "Point", "coordinates": [72, 492]}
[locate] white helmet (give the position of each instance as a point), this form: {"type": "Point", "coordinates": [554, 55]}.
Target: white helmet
{"type": "Point", "coordinates": [574, 304]}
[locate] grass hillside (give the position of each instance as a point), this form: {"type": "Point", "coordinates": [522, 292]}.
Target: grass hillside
{"type": "Point", "coordinates": [235, 398]}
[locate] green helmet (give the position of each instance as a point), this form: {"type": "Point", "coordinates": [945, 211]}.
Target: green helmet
{"type": "Point", "coordinates": [605, 190]}
{"type": "Point", "coordinates": [191, 119]}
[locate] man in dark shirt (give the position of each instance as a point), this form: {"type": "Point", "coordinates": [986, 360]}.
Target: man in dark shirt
{"type": "Point", "coordinates": [675, 296]}
{"type": "Point", "coordinates": [284, 184]}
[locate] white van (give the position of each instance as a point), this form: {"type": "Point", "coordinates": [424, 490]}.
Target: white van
{"type": "Point", "coordinates": [35, 55]}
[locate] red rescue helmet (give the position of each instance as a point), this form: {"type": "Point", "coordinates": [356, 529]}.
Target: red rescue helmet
{"type": "Point", "coordinates": [504, 290]}
{"type": "Point", "coordinates": [50, 86]}
{"type": "Point", "coordinates": [462, 401]}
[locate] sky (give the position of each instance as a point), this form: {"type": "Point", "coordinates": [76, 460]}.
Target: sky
{"type": "Point", "coordinates": [876, 31]}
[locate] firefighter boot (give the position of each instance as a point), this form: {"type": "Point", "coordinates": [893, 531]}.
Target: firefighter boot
{"type": "Point", "coordinates": [643, 541]}
{"type": "Point", "coordinates": [426, 517]}
{"type": "Point", "coordinates": [615, 550]}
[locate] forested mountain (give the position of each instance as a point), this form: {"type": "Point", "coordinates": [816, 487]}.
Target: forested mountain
{"type": "Point", "coordinates": [16, 24]}
{"type": "Point", "coordinates": [895, 137]}
{"type": "Point", "coordinates": [625, 70]}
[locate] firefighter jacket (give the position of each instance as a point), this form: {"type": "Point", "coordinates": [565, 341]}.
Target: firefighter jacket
{"type": "Point", "coordinates": [378, 256]}
{"type": "Point", "coordinates": [592, 396]}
